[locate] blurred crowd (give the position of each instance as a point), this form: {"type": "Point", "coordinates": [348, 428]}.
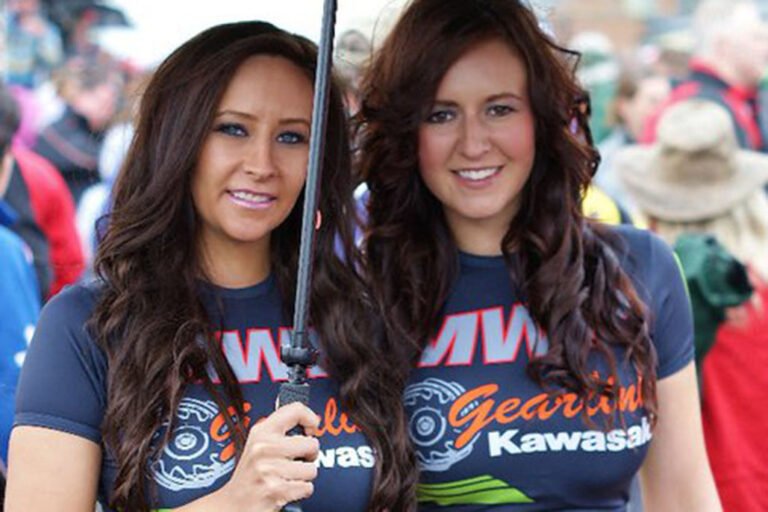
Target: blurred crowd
{"type": "Point", "coordinates": [681, 127]}
{"type": "Point", "coordinates": [65, 106]}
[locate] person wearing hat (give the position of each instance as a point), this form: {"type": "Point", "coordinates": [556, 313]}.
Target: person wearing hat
{"type": "Point", "coordinates": [696, 180]}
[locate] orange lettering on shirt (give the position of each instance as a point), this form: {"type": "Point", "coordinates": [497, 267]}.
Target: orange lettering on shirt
{"type": "Point", "coordinates": [220, 432]}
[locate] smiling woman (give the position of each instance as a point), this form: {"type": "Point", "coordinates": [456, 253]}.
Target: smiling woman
{"type": "Point", "coordinates": [477, 144]}
{"type": "Point", "coordinates": [252, 167]}
{"type": "Point", "coordinates": [156, 383]}
{"type": "Point", "coordinates": [476, 238]}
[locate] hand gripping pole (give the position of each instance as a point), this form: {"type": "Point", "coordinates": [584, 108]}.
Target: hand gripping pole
{"type": "Point", "coordinates": [299, 355]}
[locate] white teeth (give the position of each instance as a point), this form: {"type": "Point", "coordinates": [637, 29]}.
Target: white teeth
{"type": "Point", "coordinates": [253, 198]}
{"type": "Point", "coordinates": [478, 174]}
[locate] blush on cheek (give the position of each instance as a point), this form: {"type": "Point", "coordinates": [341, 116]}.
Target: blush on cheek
{"type": "Point", "coordinates": [524, 139]}
{"type": "Point", "coordinates": [433, 151]}
{"type": "Point", "coordinates": [520, 145]}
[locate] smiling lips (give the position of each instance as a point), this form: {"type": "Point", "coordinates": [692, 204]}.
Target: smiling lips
{"type": "Point", "coordinates": [477, 176]}
{"type": "Point", "coordinates": [251, 200]}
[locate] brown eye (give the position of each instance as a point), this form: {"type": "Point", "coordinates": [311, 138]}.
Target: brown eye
{"type": "Point", "coordinates": [440, 116]}
{"type": "Point", "coordinates": [500, 110]}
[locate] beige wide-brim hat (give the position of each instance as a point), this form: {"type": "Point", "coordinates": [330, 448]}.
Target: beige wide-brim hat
{"type": "Point", "coordinates": [695, 170]}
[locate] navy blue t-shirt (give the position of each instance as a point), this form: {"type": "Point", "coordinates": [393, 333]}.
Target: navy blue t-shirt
{"type": "Point", "coordinates": [63, 387]}
{"type": "Point", "coordinates": [489, 438]}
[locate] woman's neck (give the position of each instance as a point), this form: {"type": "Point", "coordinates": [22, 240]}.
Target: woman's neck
{"type": "Point", "coordinates": [232, 265]}
{"type": "Point", "coordinates": [481, 237]}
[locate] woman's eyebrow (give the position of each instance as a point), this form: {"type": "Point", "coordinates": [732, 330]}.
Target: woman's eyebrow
{"type": "Point", "coordinates": [246, 115]}
{"type": "Point", "coordinates": [504, 95]}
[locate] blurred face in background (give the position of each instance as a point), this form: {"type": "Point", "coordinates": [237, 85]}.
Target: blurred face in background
{"type": "Point", "coordinates": [98, 103]}
{"type": "Point", "coordinates": [634, 111]}
{"type": "Point", "coordinates": [91, 86]}
{"type": "Point", "coordinates": [24, 6]}
{"type": "Point", "coordinates": [746, 46]}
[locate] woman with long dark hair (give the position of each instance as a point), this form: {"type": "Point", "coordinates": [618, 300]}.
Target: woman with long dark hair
{"type": "Point", "coordinates": [154, 386]}
{"type": "Point", "coordinates": [544, 358]}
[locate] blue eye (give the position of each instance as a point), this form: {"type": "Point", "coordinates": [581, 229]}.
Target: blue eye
{"type": "Point", "coordinates": [290, 137]}
{"type": "Point", "coordinates": [232, 129]}
{"type": "Point", "coordinates": [500, 110]}
{"type": "Point", "coordinates": [440, 116]}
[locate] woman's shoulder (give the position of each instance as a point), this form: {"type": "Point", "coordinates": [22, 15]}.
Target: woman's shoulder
{"type": "Point", "coordinates": [636, 239]}
{"type": "Point", "coordinates": [658, 279]}
{"type": "Point", "coordinates": [73, 304]}
{"type": "Point", "coordinates": [647, 259]}
{"type": "Point", "coordinates": [63, 381]}
{"type": "Point", "coordinates": [62, 332]}
{"type": "Point", "coordinates": [640, 248]}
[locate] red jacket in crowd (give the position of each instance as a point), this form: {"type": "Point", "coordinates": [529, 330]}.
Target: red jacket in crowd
{"type": "Point", "coordinates": [54, 212]}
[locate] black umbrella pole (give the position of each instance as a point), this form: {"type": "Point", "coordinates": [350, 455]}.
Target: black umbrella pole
{"type": "Point", "coordinates": [299, 355]}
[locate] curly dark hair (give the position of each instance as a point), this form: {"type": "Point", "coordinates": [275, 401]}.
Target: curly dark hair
{"type": "Point", "coordinates": [151, 269]}
{"type": "Point", "coordinates": [567, 267]}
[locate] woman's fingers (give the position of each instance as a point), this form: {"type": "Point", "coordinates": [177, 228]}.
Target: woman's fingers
{"type": "Point", "coordinates": [268, 443]}
{"type": "Point", "coordinates": [287, 417]}
{"type": "Point", "coordinates": [292, 470]}
{"type": "Point", "coordinates": [276, 468]}
{"type": "Point", "coordinates": [295, 490]}
{"type": "Point", "coordinates": [284, 447]}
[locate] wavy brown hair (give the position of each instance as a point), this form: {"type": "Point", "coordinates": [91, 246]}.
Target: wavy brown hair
{"type": "Point", "coordinates": [150, 319]}
{"type": "Point", "coordinates": [568, 267]}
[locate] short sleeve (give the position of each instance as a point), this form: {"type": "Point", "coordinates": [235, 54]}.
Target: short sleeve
{"type": "Point", "coordinates": [658, 279]}
{"type": "Point", "coordinates": [63, 378]}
